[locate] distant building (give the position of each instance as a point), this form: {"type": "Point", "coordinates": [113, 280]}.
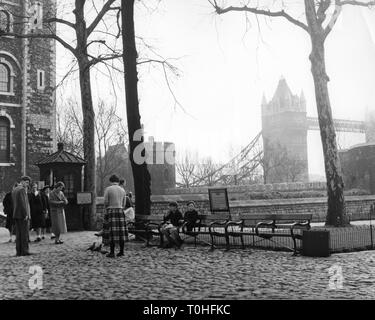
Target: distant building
{"type": "Point", "coordinates": [27, 96]}
{"type": "Point", "coordinates": [358, 167]}
{"type": "Point", "coordinates": [163, 175]}
{"type": "Point", "coordinates": [284, 131]}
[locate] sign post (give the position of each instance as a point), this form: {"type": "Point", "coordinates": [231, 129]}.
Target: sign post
{"type": "Point", "coordinates": [218, 200]}
{"type": "Point", "coordinates": [83, 199]}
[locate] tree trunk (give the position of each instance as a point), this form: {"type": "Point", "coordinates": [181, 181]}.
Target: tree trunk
{"type": "Point", "coordinates": [87, 110]}
{"type": "Point", "coordinates": [336, 213]}
{"type": "Point", "coordinates": [141, 175]}
{"type": "Point", "coordinates": [88, 140]}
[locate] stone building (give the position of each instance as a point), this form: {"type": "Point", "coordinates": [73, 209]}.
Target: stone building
{"type": "Point", "coordinates": [162, 172]}
{"type": "Point", "coordinates": [358, 167]}
{"type": "Point", "coordinates": [27, 83]}
{"type": "Point", "coordinates": [284, 131]}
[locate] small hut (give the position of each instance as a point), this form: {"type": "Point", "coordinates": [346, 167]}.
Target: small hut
{"type": "Point", "coordinates": [68, 168]}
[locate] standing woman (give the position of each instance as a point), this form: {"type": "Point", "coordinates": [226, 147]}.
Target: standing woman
{"type": "Point", "coordinates": [114, 219]}
{"type": "Point", "coordinates": [57, 201]}
{"type": "Point", "coordinates": [36, 211]}
{"type": "Point", "coordinates": [8, 211]}
{"type": "Point", "coordinates": [46, 210]}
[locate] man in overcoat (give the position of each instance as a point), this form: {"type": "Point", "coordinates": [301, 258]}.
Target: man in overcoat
{"type": "Point", "coordinates": [21, 216]}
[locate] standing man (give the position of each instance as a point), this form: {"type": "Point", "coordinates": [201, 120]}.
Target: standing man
{"type": "Point", "coordinates": [21, 216]}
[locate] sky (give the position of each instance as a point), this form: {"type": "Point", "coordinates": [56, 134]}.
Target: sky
{"type": "Point", "coordinates": [227, 64]}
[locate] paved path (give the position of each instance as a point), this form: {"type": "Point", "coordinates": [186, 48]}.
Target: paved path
{"type": "Point", "coordinates": [70, 272]}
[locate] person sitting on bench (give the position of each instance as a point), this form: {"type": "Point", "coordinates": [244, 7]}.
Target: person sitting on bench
{"type": "Point", "coordinates": [169, 230]}
{"type": "Point", "coordinates": [190, 217]}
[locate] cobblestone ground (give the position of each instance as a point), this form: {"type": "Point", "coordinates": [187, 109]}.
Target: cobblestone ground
{"type": "Point", "coordinates": [71, 272]}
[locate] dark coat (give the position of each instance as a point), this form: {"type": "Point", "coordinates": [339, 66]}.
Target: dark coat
{"type": "Point", "coordinates": [46, 209]}
{"type": "Point", "coordinates": [21, 206]}
{"type": "Point", "coordinates": [174, 217]}
{"type": "Point", "coordinates": [190, 218]}
{"type": "Point", "coordinates": [8, 210]}
{"type": "Point", "coordinates": [37, 211]}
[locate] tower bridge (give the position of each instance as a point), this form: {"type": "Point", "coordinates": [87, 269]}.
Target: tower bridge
{"type": "Point", "coordinates": [339, 124]}
{"type": "Point", "coordinates": [284, 130]}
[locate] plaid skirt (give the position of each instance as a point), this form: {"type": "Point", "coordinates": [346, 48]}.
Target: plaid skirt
{"type": "Point", "coordinates": [114, 226]}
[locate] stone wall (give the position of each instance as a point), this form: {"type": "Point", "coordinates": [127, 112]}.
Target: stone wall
{"type": "Point", "coordinates": [358, 207]}
{"type": "Point", "coordinates": [292, 186]}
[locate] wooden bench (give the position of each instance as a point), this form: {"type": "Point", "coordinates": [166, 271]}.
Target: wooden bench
{"type": "Point", "coordinates": [147, 226]}
{"type": "Point", "coordinates": [268, 226]}
{"type": "Point", "coordinates": [207, 225]}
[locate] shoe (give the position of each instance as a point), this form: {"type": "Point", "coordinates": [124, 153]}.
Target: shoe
{"type": "Point", "coordinates": [120, 254]}
{"type": "Point", "coordinates": [98, 248]}
{"type": "Point", "coordinates": [110, 255]}
{"type": "Point", "coordinates": [92, 247]}
{"type": "Point", "coordinates": [53, 237]}
{"type": "Point", "coordinates": [37, 239]}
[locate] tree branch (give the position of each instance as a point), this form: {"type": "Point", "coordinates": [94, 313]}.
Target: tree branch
{"type": "Point", "coordinates": [41, 36]}
{"type": "Point", "coordinates": [106, 7]}
{"type": "Point", "coordinates": [281, 13]}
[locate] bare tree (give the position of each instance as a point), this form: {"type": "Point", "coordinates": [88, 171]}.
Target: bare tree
{"type": "Point", "coordinates": [110, 134]}
{"type": "Point", "coordinates": [69, 127]}
{"type": "Point", "coordinates": [186, 171]}
{"type": "Point", "coordinates": [279, 165]}
{"type": "Point", "coordinates": [111, 137]}
{"type": "Point", "coordinates": [141, 175]}
{"type": "Point", "coordinates": [318, 25]}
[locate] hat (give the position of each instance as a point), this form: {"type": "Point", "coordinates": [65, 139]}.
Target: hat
{"type": "Point", "coordinates": [59, 184]}
{"type": "Point", "coordinates": [46, 187]}
{"type": "Point", "coordinates": [25, 178]}
{"type": "Point", "coordinates": [173, 204]}
{"type": "Point", "coordinates": [191, 202]}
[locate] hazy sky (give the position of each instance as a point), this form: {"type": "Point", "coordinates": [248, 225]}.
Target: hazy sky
{"type": "Point", "coordinates": [226, 66]}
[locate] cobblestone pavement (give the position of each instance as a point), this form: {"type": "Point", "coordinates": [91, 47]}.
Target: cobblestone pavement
{"type": "Point", "coordinates": [71, 272]}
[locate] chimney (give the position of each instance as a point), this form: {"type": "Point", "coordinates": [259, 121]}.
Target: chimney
{"type": "Point", "coordinates": [60, 146]}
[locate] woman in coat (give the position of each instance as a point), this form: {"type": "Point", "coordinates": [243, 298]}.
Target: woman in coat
{"type": "Point", "coordinates": [38, 220]}
{"type": "Point", "coordinates": [47, 210]}
{"type": "Point", "coordinates": [57, 202]}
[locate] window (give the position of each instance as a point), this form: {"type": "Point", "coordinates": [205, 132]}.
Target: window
{"type": "Point", "coordinates": [4, 21]}
{"type": "Point", "coordinates": [36, 16]}
{"type": "Point", "coordinates": [4, 78]}
{"type": "Point", "coordinates": [4, 139]}
{"type": "Point", "coordinates": [41, 80]}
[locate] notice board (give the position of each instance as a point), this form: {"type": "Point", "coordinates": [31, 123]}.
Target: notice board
{"type": "Point", "coordinates": [218, 199]}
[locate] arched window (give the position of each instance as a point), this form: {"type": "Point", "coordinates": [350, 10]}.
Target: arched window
{"type": "Point", "coordinates": [4, 78]}
{"type": "Point", "coordinates": [4, 139]}
{"type": "Point", "coordinates": [5, 24]}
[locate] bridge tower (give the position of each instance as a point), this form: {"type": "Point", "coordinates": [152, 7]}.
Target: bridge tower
{"type": "Point", "coordinates": [284, 131]}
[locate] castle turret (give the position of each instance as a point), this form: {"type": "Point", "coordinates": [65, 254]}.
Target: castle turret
{"type": "Point", "coordinates": [284, 130]}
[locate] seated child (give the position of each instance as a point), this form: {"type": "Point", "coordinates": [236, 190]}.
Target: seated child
{"type": "Point", "coordinates": [172, 221]}
{"type": "Point", "coordinates": [191, 216]}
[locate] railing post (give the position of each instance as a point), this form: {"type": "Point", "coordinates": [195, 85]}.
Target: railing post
{"type": "Point", "coordinates": [371, 211]}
